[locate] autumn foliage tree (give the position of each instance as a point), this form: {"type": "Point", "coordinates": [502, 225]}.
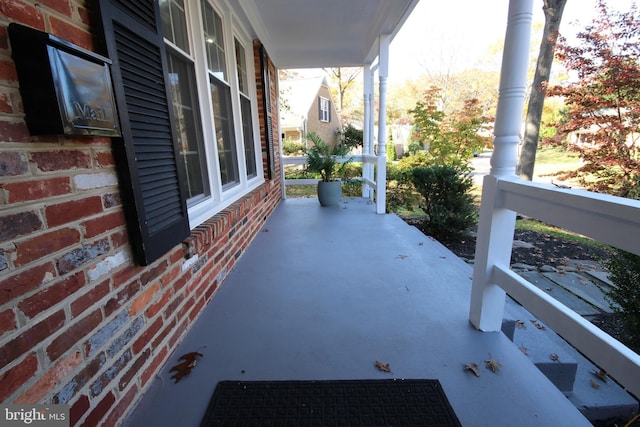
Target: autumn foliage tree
{"type": "Point", "coordinates": [451, 139]}
{"type": "Point", "coordinates": [603, 105]}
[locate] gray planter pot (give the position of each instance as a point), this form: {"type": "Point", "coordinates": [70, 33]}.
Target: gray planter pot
{"type": "Point", "coordinates": [329, 193]}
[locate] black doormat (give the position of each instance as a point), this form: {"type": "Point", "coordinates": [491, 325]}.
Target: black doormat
{"type": "Point", "coordinates": [330, 403]}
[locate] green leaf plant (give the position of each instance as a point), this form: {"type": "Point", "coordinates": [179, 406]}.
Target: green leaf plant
{"type": "Point", "coordinates": [322, 158]}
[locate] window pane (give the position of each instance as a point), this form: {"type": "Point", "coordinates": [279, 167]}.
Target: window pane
{"type": "Point", "coordinates": [241, 65]}
{"type": "Point", "coordinates": [174, 24]}
{"type": "Point", "coordinates": [324, 110]}
{"type": "Point", "coordinates": [225, 139]}
{"type": "Point", "coordinates": [214, 41]}
{"type": "Point", "coordinates": [247, 132]}
{"type": "Point", "coordinates": [188, 129]}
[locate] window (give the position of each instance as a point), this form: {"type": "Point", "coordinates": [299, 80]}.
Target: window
{"type": "Point", "coordinates": [221, 101]}
{"type": "Point", "coordinates": [323, 104]}
{"type": "Point", "coordinates": [185, 93]}
{"type": "Point", "coordinates": [184, 97]}
{"type": "Point", "coordinates": [245, 109]}
{"type": "Point", "coordinates": [214, 41]}
{"type": "Point", "coordinates": [188, 127]}
{"type": "Point", "coordinates": [220, 95]}
{"type": "Point", "coordinates": [212, 101]}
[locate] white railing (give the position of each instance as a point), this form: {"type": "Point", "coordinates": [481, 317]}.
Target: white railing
{"type": "Point", "coordinates": [608, 219]}
{"type": "Point", "coordinates": [368, 179]}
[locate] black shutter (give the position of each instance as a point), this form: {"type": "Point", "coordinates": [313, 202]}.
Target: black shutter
{"type": "Point", "coordinates": [146, 155]}
{"type": "Point", "coordinates": [320, 108]}
{"type": "Point", "coordinates": [266, 105]}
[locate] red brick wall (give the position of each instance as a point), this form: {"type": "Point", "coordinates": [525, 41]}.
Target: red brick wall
{"type": "Point", "coordinates": [80, 323]}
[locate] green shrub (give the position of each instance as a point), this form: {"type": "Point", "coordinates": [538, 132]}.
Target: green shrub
{"type": "Point", "coordinates": [352, 188]}
{"type": "Point", "coordinates": [624, 269]}
{"type": "Point", "coordinates": [391, 152]}
{"type": "Point", "coordinates": [415, 147]}
{"type": "Point", "coordinates": [446, 200]}
{"type": "Point", "coordinates": [421, 158]}
{"type": "Point", "coordinates": [401, 194]}
{"type": "Point", "coordinates": [292, 148]}
{"type": "Point", "coordinates": [352, 137]}
{"type": "Point", "coordinates": [353, 170]}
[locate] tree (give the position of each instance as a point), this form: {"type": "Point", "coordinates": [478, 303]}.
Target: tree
{"type": "Point", "coordinates": [427, 118]}
{"type": "Point", "coordinates": [603, 105]}
{"type": "Point", "coordinates": [343, 78]}
{"type": "Point", "coordinates": [553, 10]}
{"type": "Point", "coordinates": [451, 139]}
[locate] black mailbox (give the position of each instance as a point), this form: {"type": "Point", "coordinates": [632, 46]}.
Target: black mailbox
{"type": "Point", "coordinates": [65, 89]}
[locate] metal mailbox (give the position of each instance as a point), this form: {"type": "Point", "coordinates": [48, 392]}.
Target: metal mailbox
{"type": "Point", "coordinates": [66, 90]}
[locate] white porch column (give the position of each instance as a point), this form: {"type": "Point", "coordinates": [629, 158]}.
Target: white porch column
{"type": "Point", "coordinates": [381, 175]}
{"type": "Point", "coordinates": [367, 147]}
{"type": "Point", "coordinates": [496, 225]}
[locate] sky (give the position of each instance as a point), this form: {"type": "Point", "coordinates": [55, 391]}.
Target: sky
{"type": "Point", "coordinates": [456, 33]}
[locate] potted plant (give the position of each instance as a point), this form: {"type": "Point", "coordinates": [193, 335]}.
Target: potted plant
{"type": "Point", "coordinates": [322, 158]}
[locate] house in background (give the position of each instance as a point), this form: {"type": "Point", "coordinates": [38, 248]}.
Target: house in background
{"type": "Point", "coordinates": [308, 107]}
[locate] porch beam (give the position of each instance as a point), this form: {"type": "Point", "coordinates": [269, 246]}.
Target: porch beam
{"type": "Point", "coordinates": [497, 224]}
{"type": "Point", "coordinates": [381, 173]}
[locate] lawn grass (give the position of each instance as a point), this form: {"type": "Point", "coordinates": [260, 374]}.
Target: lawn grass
{"type": "Point", "coordinates": [349, 189]}
{"type": "Point", "coordinates": [541, 227]}
{"type": "Point", "coordinates": [309, 190]}
{"type": "Point", "coordinates": [547, 155]}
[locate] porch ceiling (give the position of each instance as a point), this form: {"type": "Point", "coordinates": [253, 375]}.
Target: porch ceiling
{"type": "Point", "coordinates": [328, 33]}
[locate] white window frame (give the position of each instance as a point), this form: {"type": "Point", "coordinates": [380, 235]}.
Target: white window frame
{"type": "Point", "coordinates": [324, 112]}
{"type": "Point", "coordinates": [251, 94]}
{"type": "Point", "coordinates": [220, 197]}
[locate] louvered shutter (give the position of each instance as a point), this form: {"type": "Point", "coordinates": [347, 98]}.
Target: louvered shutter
{"type": "Point", "coordinates": [146, 155]}
{"type": "Point", "coordinates": [266, 105]}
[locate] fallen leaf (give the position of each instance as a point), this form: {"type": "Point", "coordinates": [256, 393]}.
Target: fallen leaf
{"type": "Point", "coordinates": [601, 374]}
{"type": "Point", "coordinates": [521, 324]}
{"type": "Point", "coordinates": [594, 384]}
{"type": "Point", "coordinates": [524, 350]}
{"type": "Point", "coordinates": [492, 364]}
{"type": "Point", "coordinates": [401, 256]}
{"type": "Point", "coordinates": [473, 367]}
{"type": "Point", "coordinates": [537, 324]}
{"type": "Point", "coordinates": [421, 244]}
{"type": "Point", "coordinates": [382, 367]}
{"type": "Point", "coordinates": [554, 357]}
{"type": "Point", "coordinates": [266, 230]}
{"type": "Point", "coordinates": [548, 289]}
{"type": "Point", "coordinates": [189, 360]}
{"type": "Point", "coordinates": [443, 257]}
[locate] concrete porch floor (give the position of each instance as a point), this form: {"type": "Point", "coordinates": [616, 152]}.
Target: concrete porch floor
{"type": "Point", "coordinates": [322, 293]}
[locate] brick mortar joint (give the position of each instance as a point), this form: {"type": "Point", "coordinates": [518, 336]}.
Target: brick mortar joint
{"type": "Point", "coordinates": [223, 221]}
